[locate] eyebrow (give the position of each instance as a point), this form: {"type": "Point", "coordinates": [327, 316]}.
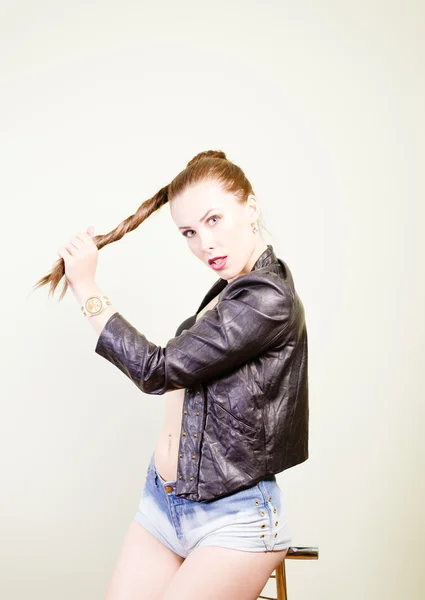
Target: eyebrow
{"type": "Point", "coordinates": [202, 218]}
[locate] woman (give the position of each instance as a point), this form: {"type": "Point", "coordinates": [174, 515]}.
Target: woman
{"type": "Point", "coordinates": [211, 521]}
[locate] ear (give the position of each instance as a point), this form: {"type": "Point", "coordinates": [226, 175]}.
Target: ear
{"type": "Point", "coordinates": [253, 207]}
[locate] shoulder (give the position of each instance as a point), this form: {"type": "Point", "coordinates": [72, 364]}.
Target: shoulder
{"type": "Point", "coordinates": [263, 289]}
{"type": "Point", "coordinates": [258, 284]}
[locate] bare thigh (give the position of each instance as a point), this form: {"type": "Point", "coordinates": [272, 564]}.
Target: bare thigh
{"type": "Point", "coordinates": [215, 573]}
{"type": "Point", "coordinates": [144, 567]}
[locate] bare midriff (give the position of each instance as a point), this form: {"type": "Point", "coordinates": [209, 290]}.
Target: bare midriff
{"type": "Point", "coordinates": [167, 445]}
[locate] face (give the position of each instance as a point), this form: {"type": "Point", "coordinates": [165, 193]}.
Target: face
{"type": "Point", "coordinates": [215, 224]}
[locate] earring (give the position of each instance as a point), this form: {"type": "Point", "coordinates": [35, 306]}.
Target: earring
{"type": "Point", "coordinates": [254, 229]}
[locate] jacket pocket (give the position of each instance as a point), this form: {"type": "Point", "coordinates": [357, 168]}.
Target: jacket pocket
{"type": "Point", "coordinates": [245, 427]}
{"type": "Point", "coordinates": [242, 423]}
{"type": "Point", "coordinates": [233, 449]}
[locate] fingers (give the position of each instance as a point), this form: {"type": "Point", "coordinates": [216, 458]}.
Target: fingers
{"type": "Point", "coordinates": [80, 258]}
{"type": "Point", "coordinates": [77, 241]}
{"type": "Point", "coordinates": [83, 235]}
{"type": "Point", "coordinates": [81, 241]}
{"type": "Point", "coordinates": [86, 238]}
{"type": "Point", "coordinates": [63, 252]}
{"type": "Point", "coordinates": [72, 249]}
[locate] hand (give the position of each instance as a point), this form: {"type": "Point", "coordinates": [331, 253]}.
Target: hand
{"type": "Point", "coordinates": [80, 257]}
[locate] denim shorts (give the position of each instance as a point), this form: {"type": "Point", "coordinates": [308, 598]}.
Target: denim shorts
{"type": "Point", "coordinates": [253, 519]}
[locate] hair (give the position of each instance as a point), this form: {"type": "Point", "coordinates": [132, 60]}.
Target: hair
{"type": "Point", "coordinates": [208, 165]}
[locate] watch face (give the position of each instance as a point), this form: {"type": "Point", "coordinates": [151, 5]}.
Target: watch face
{"type": "Point", "coordinates": [93, 305]}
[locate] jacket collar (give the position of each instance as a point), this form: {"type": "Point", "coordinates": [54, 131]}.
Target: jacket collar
{"type": "Point", "coordinates": [266, 258]}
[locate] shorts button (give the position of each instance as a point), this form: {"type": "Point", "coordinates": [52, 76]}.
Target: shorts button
{"type": "Point", "coordinates": [168, 488]}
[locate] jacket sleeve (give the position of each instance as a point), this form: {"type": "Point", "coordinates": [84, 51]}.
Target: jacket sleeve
{"type": "Point", "coordinates": [254, 312]}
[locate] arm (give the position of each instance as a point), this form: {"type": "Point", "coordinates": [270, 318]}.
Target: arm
{"type": "Point", "coordinates": [82, 292]}
{"type": "Point", "coordinates": [253, 313]}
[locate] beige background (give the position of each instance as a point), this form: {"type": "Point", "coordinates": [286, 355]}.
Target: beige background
{"type": "Point", "coordinates": [322, 105]}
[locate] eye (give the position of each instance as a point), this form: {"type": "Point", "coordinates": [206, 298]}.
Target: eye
{"type": "Point", "coordinates": [191, 236]}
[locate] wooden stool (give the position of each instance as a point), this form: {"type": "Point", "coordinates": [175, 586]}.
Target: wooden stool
{"type": "Point", "coordinates": [294, 552]}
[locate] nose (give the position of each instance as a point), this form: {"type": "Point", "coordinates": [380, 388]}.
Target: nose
{"type": "Point", "coordinates": [207, 243]}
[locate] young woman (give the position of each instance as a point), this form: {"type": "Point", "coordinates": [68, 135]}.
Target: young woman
{"type": "Point", "coordinates": [212, 520]}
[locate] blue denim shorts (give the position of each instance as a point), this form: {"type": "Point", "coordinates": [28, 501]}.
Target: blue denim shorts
{"type": "Point", "coordinates": [253, 519]}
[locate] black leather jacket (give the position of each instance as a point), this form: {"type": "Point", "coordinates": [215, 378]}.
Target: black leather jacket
{"type": "Point", "coordinates": [243, 365]}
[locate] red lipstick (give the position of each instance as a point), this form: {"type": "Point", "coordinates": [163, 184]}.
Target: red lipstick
{"type": "Point", "coordinates": [220, 264]}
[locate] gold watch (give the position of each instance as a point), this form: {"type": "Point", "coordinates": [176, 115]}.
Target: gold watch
{"type": "Point", "coordinates": [94, 305]}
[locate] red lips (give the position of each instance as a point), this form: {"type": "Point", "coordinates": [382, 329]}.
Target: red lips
{"type": "Point", "coordinates": [211, 260]}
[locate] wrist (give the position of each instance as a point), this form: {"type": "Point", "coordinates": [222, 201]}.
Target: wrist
{"type": "Point", "coordinates": [85, 290]}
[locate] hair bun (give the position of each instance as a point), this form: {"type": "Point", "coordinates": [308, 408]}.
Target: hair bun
{"type": "Point", "coordinates": [207, 154]}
